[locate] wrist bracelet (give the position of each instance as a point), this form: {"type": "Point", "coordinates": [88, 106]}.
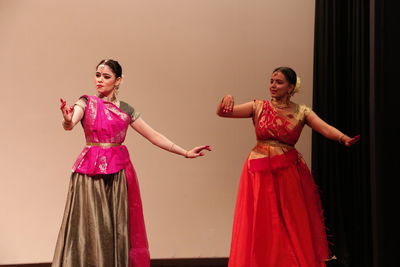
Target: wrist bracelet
{"type": "Point", "coordinates": [186, 154]}
{"type": "Point", "coordinates": [66, 124]}
{"type": "Point", "coordinates": [341, 139]}
{"type": "Point", "coordinates": [170, 148]}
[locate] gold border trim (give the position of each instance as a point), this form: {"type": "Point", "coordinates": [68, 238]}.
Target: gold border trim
{"type": "Point", "coordinates": [103, 144]}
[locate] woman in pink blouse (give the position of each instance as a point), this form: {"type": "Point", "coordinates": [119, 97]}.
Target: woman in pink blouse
{"type": "Point", "coordinates": [103, 223]}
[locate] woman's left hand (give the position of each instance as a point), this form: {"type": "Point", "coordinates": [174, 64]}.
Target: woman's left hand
{"type": "Point", "coordinates": [351, 140]}
{"type": "Point", "coordinates": [197, 152]}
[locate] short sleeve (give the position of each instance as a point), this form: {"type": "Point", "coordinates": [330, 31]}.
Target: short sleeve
{"type": "Point", "coordinates": [128, 109]}
{"type": "Point", "coordinates": [82, 102]}
{"type": "Point", "coordinates": [307, 110]}
{"type": "Point", "coordinates": [257, 108]}
{"type": "Point", "coordinates": [304, 111]}
{"type": "Point", "coordinates": [135, 115]}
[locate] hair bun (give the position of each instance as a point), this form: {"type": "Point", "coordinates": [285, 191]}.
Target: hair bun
{"type": "Point", "coordinates": [297, 86]}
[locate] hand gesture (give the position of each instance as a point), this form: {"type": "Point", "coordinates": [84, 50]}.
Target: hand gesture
{"type": "Point", "coordinates": [197, 151]}
{"type": "Point", "coordinates": [66, 110]}
{"type": "Point", "coordinates": [227, 104]}
{"type": "Point", "coordinates": [351, 140]}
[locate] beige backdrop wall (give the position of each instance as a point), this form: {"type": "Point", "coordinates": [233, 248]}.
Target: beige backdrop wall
{"type": "Point", "coordinates": [179, 58]}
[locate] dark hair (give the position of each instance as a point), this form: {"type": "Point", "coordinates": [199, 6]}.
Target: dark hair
{"type": "Point", "coordinates": [289, 74]}
{"type": "Point", "coordinates": [114, 66]}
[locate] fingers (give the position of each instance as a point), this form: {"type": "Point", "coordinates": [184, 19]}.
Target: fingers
{"type": "Point", "coordinates": [69, 110]}
{"type": "Point", "coordinates": [227, 104]}
{"type": "Point", "coordinates": [206, 147]}
{"type": "Point", "coordinates": [64, 108]}
{"type": "Point", "coordinates": [200, 148]}
{"type": "Point", "coordinates": [62, 103]}
{"type": "Point", "coordinates": [197, 151]}
{"type": "Point", "coordinates": [66, 111]}
{"type": "Point", "coordinates": [228, 107]}
{"type": "Point", "coordinates": [353, 140]}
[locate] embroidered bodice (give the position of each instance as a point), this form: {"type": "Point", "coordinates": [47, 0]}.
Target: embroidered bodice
{"type": "Point", "coordinates": [277, 131]}
{"type": "Point", "coordinates": [105, 126]}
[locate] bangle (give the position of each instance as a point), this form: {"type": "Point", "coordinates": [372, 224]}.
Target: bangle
{"type": "Point", "coordinates": [66, 124]}
{"type": "Point", "coordinates": [186, 154]}
{"type": "Point", "coordinates": [341, 139]}
{"type": "Point", "coordinates": [170, 148]}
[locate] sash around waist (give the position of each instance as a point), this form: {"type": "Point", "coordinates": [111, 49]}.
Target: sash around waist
{"type": "Point", "coordinates": [273, 163]}
{"type": "Point", "coordinates": [271, 142]}
{"type": "Point", "coordinates": [103, 144]}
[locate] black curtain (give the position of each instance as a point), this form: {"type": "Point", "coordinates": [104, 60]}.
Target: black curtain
{"type": "Point", "coordinates": [342, 98]}
{"type": "Point", "coordinates": [385, 104]}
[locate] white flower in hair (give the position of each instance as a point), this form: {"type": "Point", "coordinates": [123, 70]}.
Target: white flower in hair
{"type": "Point", "coordinates": [298, 85]}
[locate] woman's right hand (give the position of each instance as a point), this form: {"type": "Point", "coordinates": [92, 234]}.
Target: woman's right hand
{"type": "Point", "coordinates": [66, 111]}
{"type": "Point", "coordinates": [227, 104]}
{"type": "Point", "coordinates": [227, 109]}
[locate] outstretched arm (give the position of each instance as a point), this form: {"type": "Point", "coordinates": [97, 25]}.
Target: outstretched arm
{"type": "Point", "coordinates": [330, 132]}
{"type": "Point", "coordinates": [71, 114]}
{"type": "Point", "coordinates": [226, 108]}
{"type": "Point", "coordinates": [163, 142]}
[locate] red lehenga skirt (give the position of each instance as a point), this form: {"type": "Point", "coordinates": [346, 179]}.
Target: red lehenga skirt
{"type": "Point", "coordinates": [278, 218]}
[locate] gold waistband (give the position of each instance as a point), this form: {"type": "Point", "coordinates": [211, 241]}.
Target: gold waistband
{"type": "Point", "coordinates": [273, 143]}
{"type": "Point", "coordinates": [103, 144]}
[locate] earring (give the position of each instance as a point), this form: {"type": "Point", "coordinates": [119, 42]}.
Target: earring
{"type": "Point", "coordinates": [116, 90]}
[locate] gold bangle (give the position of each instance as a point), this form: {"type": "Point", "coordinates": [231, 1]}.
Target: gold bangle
{"type": "Point", "coordinates": [341, 139]}
{"type": "Point", "coordinates": [170, 148]}
{"type": "Point", "coordinates": [66, 124]}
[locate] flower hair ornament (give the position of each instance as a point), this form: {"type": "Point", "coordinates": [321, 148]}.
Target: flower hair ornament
{"type": "Point", "coordinates": [297, 86]}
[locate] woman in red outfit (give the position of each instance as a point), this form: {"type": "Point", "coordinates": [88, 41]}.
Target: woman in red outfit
{"type": "Point", "coordinates": [278, 218]}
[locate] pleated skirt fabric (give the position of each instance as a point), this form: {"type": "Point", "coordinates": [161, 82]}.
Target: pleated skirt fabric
{"type": "Point", "coordinates": [95, 229]}
{"type": "Point", "coordinates": [278, 219]}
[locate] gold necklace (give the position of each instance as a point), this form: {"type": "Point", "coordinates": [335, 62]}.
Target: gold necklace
{"type": "Point", "coordinates": [113, 99]}
{"type": "Point", "coordinates": [277, 105]}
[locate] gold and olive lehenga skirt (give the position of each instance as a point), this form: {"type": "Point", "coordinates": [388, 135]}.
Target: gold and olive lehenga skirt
{"type": "Point", "coordinates": [94, 230]}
